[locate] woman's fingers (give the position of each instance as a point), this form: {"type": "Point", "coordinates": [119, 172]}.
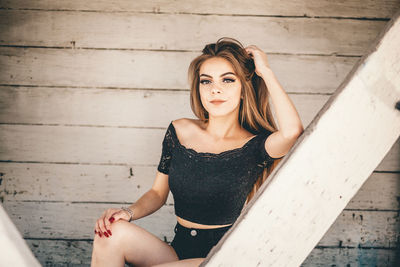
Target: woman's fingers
{"type": "Point", "coordinates": [99, 232]}
{"type": "Point", "coordinates": [252, 48]}
{"type": "Point", "coordinates": [107, 224]}
{"type": "Point", "coordinates": [103, 229]}
{"type": "Point", "coordinates": [103, 224]}
{"type": "Point", "coordinates": [118, 215]}
{"type": "Point", "coordinates": [115, 216]}
{"type": "Point", "coordinates": [106, 230]}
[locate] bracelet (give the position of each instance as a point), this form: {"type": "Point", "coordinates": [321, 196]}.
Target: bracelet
{"type": "Point", "coordinates": [129, 211]}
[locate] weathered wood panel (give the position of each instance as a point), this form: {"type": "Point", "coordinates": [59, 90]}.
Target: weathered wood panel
{"type": "Point", "coordinates": [325, 168]}
{"type": "Point", "coordinates": [76, 182]}
{"type": "Point", "coordinates": [392, 158]}
{"type": "Point", "coordinates": [94, 145]}
{"type": "Point", "coordinates": [80, 145]}
{"type": "Point", "coordinates": [360, 228]}
{"type": "Point", "coordinates": [112, 107]}
{"type": "Point", "coordinates": [49, 220]}
{"type": "Point", "coordinates": [381, 191]}
{"type": "Point", "coordinates": [125, 184]}
{"type": "Point", "coordinates": [169, 31]}
{"type": "Point", "coordinates": [322, 257]}
{"type": "Point", "coordinates": [152, 69]}
{"type": "Point", "coordinates": [76, 220]}
{"type": "Point", "coordinates": [53, 248]}
{"type": "Point", "coordinates": [76, 252]}
{"type": "Point", "coordinates": [62, 252]}
{"type": "Point", "coordinates": [104, 107]}
{"type": "Point", "coordinates": [318, 8]}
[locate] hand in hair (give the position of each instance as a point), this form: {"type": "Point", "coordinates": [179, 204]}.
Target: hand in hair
{"type": "Point", "coordinates": [259, 57]}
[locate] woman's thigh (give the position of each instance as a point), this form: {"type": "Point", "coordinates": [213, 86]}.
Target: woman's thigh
{"type": "Point", "coordinates": [139, 246]}
{"type": "Point", "coordinates": [182, 263]}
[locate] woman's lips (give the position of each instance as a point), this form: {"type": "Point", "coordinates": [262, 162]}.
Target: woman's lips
{"type": "Point", "coordinates": [217, 102]}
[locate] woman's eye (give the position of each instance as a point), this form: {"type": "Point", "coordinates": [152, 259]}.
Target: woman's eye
{"type": "Point", "coordinates": [207, 81]}
{"type": "Point", "coordinates": [203, 81]}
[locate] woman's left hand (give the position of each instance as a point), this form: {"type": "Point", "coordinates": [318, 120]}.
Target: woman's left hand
{"type": "Point", "coordinates": [259, 58]}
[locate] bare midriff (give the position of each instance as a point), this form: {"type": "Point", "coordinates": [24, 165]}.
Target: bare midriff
{"type": "Point", "coordinates": [189, 224]}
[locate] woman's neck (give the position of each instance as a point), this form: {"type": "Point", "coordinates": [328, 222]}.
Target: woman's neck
{"type": "Point", "coordinates": [222, 127]}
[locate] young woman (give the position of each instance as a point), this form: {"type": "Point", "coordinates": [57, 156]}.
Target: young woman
{"type": "Point", "coordinates": [212, 165]}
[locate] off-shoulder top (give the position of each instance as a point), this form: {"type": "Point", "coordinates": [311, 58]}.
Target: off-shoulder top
{"type": "Point", "coordinates": [211, 188]}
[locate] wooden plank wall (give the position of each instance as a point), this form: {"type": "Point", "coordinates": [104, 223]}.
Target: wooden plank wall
{"type": "Point", "coordinates": [87, 89]}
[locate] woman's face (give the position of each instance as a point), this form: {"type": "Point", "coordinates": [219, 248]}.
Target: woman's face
{"type": "Point", "coordinates": [218, 81]}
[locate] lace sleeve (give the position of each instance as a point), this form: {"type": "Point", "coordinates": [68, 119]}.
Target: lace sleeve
{"type": "Point", "coordinates": [166, 154]}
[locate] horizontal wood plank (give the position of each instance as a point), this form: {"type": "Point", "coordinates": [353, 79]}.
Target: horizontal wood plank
{"type": "Point", "coordinates": [84, 145]}
{"type": "Point", "coordinates": [75, 220]}
{"type": "Point", "coordinates": [100, 145]}
{"type": "Point", "coordinates": [126, 184]}
{"type": "Point", "coordinates": [78, 253]}
{"type": "Point", "coordinates": [112, 107]}
{"type": "Point", "coordinates": [352, 257]}
{"type": "Point", "coordinates": [153, 69]}
{"type": "Point", "coordinates": [175, 32]}
{"type": "Point", "coordinates": [100, 107]}
{"type": "Point", "coordinates": [318, 8]}
{"type": "Point", "coordinates": [76, 182]}
{"type": "Point", "coordinates": [55, 220]}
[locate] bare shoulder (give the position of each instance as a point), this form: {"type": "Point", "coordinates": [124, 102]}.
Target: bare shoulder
{"type": "Point", "coordinates": [186, 127]}
{"type": "Point", "coordinates": [182, 122]}
{"type": "Point", "coordinates": [185, 124]}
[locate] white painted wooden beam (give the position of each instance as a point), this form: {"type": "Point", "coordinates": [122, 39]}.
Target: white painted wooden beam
{"type": "Point", "coordinates": [326, 167]}
{"type": "Point", "coordinates": [13, 249]}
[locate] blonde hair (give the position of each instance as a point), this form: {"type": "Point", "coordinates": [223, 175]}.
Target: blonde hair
{"type": "Point", "coordinates": [254, 112]}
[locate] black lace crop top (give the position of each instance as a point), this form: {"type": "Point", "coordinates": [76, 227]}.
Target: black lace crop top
{"type": "Point", "coordinates": [211, 188]}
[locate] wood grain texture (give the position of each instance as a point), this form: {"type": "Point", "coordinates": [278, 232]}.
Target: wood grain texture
{"type": "Point", "coordinates": [317, 8]}
{"type": "Point", "coordinates": [170, 31]}
{"type": "Point", "coordinates": [76, 220]}
{"type": "Point", "coordinates": [92, 145]}
{"type": "Point", "coordinates": [152, 69]}
{"type": "Point", "coordinates": [49, 220]}
{"type": "Point", "coordinates": [54, 252]}
{"type": "Point", "coordinates": [340, 247]}
{"type": "Point", "coordinates": [126, 183]}
{"type": "Point", "coordinates": [112, 107]}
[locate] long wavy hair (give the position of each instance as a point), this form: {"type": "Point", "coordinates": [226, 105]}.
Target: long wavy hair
{"type": "Point", "coordinates": [254, 112]}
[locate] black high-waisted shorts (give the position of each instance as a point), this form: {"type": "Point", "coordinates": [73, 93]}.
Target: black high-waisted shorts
{"type": "Point", "coordinates": [194, 242]}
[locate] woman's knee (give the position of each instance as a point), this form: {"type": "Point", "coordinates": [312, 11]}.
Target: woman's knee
{"type": "Point", "coordinates": [119, 230]}
{"type": "Point", "coordinates": [120, 227]}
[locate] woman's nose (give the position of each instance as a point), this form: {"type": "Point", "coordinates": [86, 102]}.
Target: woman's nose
{"type": "Point", "coordinates": [215, 89]}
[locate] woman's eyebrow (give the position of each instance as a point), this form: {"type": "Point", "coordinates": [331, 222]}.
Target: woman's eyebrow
{"type": "Point", "coordinates": [219, 76]}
